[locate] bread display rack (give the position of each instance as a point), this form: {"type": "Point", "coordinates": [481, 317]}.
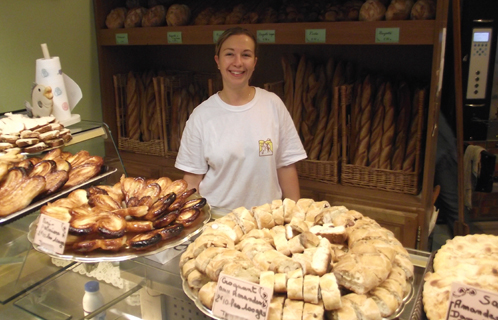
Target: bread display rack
{"type": "Point", "coordinates": [418, 51]}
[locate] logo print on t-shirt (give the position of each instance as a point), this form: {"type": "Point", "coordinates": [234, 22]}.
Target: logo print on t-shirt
{"type": "Point", "coordinates": [265, 148]}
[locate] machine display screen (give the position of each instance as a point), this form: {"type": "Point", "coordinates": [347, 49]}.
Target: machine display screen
{"type": "Point", "coordinates": [481, 36]}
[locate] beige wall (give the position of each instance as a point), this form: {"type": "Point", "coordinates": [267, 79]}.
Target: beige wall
{"type": "Point", "coordinates": [67, 27]}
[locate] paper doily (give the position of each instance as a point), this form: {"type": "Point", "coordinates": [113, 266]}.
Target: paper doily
{"type": "Point", "coordinates": [102, 271]}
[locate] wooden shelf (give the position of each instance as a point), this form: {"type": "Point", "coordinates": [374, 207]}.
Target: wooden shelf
{"type": "Point", "coordinates": [339, 33]}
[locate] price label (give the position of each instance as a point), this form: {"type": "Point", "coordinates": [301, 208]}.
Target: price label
{"type": "Point", "coordinates": [216, 35]}
{"type": "Point", "coordinates": [51, 234]}
{"type": "Point", "coordinates": [175, 37]}
{"type": "Point", "coordinates": [387, 35]}
{"type": "Point", "coordinates": [265, 36]}
{"type": "Point", "coordinates": [315, 35]}
{"type": "Point", "coordinates": [468, 302]}
{"type": "Point", "coordinates": [240, 299]}
{"type": "Point", "coordinates": [121, 38]}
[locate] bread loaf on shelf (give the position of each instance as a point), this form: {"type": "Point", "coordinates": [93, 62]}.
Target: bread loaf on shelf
{"type": "Point", "coordinates": [363, 136]}
{"type": "Point", "coordinates": [154, 17]}
{"type": "Point", "coordinates": [399, 10]}
{"type": "Point", "coordinates": [134, 17]}
{"type": "Point", "coordinates": [377, 127]}
{"type": "Point", "coordinates": [402, 125]}
{"type": "Point", "coordinates": [298, 92]}
{"type": "Point", "coordinates": [132, 107]}
{"type": "Point", "coordinates": [388, 129]}
{"type": "Point", "coordinates": [417, 117]}
{"type": "Point", "coordinates": [116, 18]}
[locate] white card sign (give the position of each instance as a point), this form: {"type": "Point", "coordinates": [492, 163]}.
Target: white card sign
{"type": "Point", "coordinates": [468, 302]}
{"type": "Point", "coordinates": [239, 299]}
{"type": "Point", "coordinates": [51, 234]}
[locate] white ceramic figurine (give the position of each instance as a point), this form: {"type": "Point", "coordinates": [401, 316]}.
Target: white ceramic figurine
{"type": "Point", "coordinates": [42, 101]}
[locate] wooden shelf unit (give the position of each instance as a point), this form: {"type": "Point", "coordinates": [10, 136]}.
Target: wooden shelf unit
{"type": "Point", "coordinates": [419, 53]}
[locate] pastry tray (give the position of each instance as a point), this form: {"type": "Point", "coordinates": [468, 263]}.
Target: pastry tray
{"type": "Point", "coordinates": [209, 313]}
{"type": "Point", "coordinates": [104, 172]}
{"type": "Point", "coordinates": [126, 254]}
{"type": "Point", "coordinates": [418, 312]}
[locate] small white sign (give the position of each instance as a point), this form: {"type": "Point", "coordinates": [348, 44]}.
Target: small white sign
{"type": "Point", "coordinates": [240, 299]}
{"type": "Point", "coordinates": [51, 234]}
{"type": "Point", "coordinates": [468, 302]}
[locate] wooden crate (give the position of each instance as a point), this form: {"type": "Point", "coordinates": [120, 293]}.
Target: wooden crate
{"type": "Point", "coordinates": [374, 178]}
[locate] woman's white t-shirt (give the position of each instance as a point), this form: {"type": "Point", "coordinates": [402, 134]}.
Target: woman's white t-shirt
{"type": "Point", "coordinates": [239, 149]}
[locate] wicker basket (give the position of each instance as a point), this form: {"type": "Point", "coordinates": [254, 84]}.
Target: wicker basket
{"type": "Point", "coordinates": [324, 171]}
{"type": "Point", "coordinates": [373, 178]}
{"type": "Point", "coordinates": [152, 147]}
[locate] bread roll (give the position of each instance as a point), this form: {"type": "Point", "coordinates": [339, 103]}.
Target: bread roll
{"type": "Point", "coordinates": [399, 10]}
{"type": "Point", "coordinates": [116, 18]}
{"type": "Point", "coordinates": [276, 308]}
{"type": "Point", "coordinates": [206, 294]}
{"type": "Point", "coordinates": [295, 288]}
{"type": "Point", "coordinates": [423, 10]}
{"type": "Point", "coordinates": [311, 289]}
{"type": "Point", "coordinates": [134, 17]}
{"type": "Point", "coordinates": [293, 309]}
{"type": "Point", "coordinates": [154, 17]}
{"type": "Point", "coordinates": [361, 273]}
{"type": "Point", "coordinates": [372, 10]}
{"type": "Point", "coordinates": [329, 290]}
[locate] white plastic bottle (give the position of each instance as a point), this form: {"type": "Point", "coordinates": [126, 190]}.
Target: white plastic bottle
{"type": "Point", "coordinates": [93, 299]}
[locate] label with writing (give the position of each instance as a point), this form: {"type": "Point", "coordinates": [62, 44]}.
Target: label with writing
{"type": "Point", "coordinates": [175, 37]}
{"type": "Point", "coordinates": [265, 36]}
{"type": "Point", "coordinates": [387, 35]}
{"type": "Point", "coordinates": [121, 38]}
{"type": "Point", "coordinates": [217, 34]}
{"type": "Point", "coordinates": [468, 302]}
{"type": "Point", "coordinates": [51, 234]}
{"type": "Point", "coordinates": [315, 35]}
{"type": "Point", "coordinates": [240, 299]}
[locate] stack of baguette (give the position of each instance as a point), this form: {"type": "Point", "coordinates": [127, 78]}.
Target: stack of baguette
{"type": "Point", "coordinates": [386, 124]}
{"type": "Point", "coordinates": [320, 261]}
{"type": "Point", "coordinates": [311, 94]}
{"type": "Point", "coordinates": [157, 105]}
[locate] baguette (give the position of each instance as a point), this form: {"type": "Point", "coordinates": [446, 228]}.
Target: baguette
{"type": "Point", "coordinates": [174, 134]}
{"type": "Point", "coordinates": [318, 138]}
{"type": "Point", "coordinates": [377, 127]}
{"type": "Point", "coordinates": [132, 108]}
{"type": "Point", "coordinates": [388, 129]}
{"type": "Point", "coordinates": [298, 93]}
{"type": "Point", "coordinates": [411, 146]}
{"type": "Point", "coordinates": [363, 137]}
{"type": "Point", "coordinates": [402, 123]}
{"type": "Point", "coordinates": [289, 74]}
{"type": "Point", "coordinates": [144, 108]}
{"type": "Point", "coordinates": [355, 118]}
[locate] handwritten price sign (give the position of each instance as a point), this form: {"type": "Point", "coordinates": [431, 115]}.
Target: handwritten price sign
{"type": "Point", "coordinates": [240, 299]}
{"type": "Point", "coordinates": [51, 234]}
{"type": "Point", "coordinates": [468, 302]}
{"type": "Point", "coordinates": [387, 35]}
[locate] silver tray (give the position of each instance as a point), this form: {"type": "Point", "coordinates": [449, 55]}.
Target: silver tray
{"type": "Point", "coordinates": [418, 312]}
{"type": "Point", "coordinates": [125, 254]}
{"type": "Point", "coordinates": [209, 313]}
{"type": "Point", "coordinates": [105, 171]}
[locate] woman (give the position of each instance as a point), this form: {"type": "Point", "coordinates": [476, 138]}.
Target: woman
{"type": "Point", "coordinates": [240, 146]}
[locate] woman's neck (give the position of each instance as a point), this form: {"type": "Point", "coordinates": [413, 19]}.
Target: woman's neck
{"type": "Point", "coordinates": [237, 97]}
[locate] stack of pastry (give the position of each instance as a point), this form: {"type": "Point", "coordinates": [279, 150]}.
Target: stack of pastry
{"type": "Point", "coordinates": [319, 260]}
{"type": "Point", "coordinates": [471, 259]}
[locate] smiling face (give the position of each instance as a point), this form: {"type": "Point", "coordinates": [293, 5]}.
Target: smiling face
{"type": "Point", "coordinates": [236, 60]}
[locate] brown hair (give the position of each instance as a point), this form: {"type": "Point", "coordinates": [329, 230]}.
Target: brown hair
{"type": "Point", "coordinates": [233, 32]}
